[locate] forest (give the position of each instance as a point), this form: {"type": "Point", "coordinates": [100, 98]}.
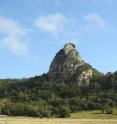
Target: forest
{"type": "Point", "coordinates": [39, 96]}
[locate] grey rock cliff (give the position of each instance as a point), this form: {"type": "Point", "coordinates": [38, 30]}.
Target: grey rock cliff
{"type": "Point", "coordinates": [68, 66]}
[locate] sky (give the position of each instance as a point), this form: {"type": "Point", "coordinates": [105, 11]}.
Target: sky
{"type": "Point", "coordinates": [33, 31]}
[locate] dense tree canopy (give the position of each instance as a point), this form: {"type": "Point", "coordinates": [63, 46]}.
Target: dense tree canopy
{"type": "Point", "coordinates": [41, 97]}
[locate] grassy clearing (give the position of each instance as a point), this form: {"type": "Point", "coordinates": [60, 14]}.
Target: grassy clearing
{"type": "Point", "coordinates": [94, 114]}
{"type": "Point", "coordinates": [84, 117]}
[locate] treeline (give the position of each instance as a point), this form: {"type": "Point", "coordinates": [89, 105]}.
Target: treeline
{"type": "Point", "coordinates": [41, 97]}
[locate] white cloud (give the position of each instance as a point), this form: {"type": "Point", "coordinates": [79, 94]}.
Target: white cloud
{"type": "Point", "coordinates": [13, 37]}
{"type": "Point", "coordinates": [63, 27]}
{"type": "Point", "coordinates": [94, 21]}
{"type": "Point", "coordinates": [53, 23]}
{"type": "Point", "coordinates": [59, 25]}
{"type": "Point", "coordinates": [10, 26]}
{"type": "Point", "coordinates": [16, 46]}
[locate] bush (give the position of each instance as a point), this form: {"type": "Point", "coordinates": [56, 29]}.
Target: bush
{"type": "Point", "coordinates": [64, 111]}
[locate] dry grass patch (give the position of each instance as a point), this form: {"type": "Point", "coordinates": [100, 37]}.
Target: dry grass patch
{"type": "Point", "coordinates": [59, 121]}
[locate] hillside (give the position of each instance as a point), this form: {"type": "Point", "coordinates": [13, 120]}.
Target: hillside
{"type": "Point", "coordinates": [71, 85]}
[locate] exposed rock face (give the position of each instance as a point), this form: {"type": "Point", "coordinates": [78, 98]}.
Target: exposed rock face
{"type": "Point", "coordinates": [68, 66]}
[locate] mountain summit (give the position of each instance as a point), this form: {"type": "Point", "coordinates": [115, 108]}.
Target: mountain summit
{"type": "Point", "coordinates": [62, 91]}
{"type": "Point", "coordinates": [68, 66]}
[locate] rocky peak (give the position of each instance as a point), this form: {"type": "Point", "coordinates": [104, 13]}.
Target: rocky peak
{"type": "Point", "coordinates": [68, 47]}
{"type": "Point", "coordinates": [67, 66]}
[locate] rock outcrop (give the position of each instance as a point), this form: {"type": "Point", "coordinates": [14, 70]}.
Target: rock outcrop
{"type": "Point", "coordinates": [68, 66]}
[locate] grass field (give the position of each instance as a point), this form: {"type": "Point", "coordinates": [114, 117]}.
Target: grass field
{"type": "Point", "coordinates": [58, 121]}
{"type": "Point", "coordinates": [85, 117]}
{"type": "Point", "coordinates": [94, 114]}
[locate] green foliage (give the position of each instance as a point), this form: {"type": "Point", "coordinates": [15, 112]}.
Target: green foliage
{"type": "Point", "coordinates": [41, 97]}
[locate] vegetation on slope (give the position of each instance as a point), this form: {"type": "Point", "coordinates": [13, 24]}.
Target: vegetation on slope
{"type": "Point", "coordinates": [41, 97]}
